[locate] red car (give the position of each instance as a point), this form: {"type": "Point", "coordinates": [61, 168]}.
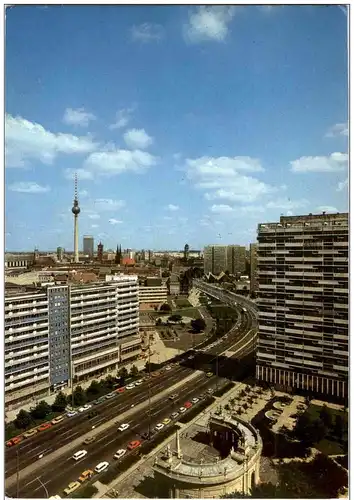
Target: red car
{"type": "Point", "coordinates": [14, 441]}
{"type": "Point", "coordinates": [188, 405]}
{"type": "Point", "coordinates": [121, 389]}
{"type": "Point", "coordinates": [44, 427]}
{"type": "Point", "coordinates": [133, 444]}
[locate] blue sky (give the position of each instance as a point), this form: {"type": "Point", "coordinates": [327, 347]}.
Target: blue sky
{"type": "Point", "coordinates": [185, 124]}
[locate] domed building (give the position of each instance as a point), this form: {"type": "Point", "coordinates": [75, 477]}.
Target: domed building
{"type": "Point", "coordinates": [229, 463]}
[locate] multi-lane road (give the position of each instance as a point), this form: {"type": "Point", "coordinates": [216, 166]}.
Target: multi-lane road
{"type": "Point", "coordinates": [55, 473]}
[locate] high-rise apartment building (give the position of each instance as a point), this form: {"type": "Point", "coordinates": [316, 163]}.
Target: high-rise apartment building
{"type": "Point", "coordinates": [66, 331]}
{"type": "Point", "coordinates": [60, 253]}
{"type": "Point", "coordinates": [253, 253]}
{"type": "Point", "coordinates": [88, 245]}
{"type": "Point", "coordinates": [303, 303]}
{"type": "Point", "coordinates": [236, 259]}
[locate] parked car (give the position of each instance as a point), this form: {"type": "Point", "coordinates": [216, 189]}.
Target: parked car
{"type": "Point", "coordinates": [119, 454]}
{"type": "Point", "coordinates": [173, 396]}
{"type": "Point", "coordinates": [71, 413]}
{"type": "Point", "coordinates": [90, 439]}
{"type": "Point", "coordinates": [130, 386]}
{"type": "Point", "coordinates": [166, 421]}
{"type": "Point", "coordinates": [87, 407]}
{"type": "Point", "coordinates": [134, 444]}
{"type": "Point", "coordinates": [72, 487]}
{"type": "Point", "coordinates": [56, 420]}
{"type": "Point", "coordinates": [101, 467]}
{"type": "Point", "coordinates": [30, 433]}
{"type": "Point", "coordinates": [195, 400]}
{"type": "Point", "coordinates": [158, 427]}
{"type": "Point", "coordinates": [187, 405]}
{"type": "Point", "coordinates": [14, 441]}
{"type": "Point", "coordinates": [209, 374]}
{"type": "Point", "coordinates": [87, 474]}
{"type": "Point", "coordinates": [175, 414]}
{"type": "Point", "coordinates": [123, 427]}
{"type": "Point", "coordinates": [79, 455]}
{"type": "Point", "coordinates": [110, 395]}
{"type": "Point", "coordinates": [120, 390]}
{"type": "Point", "coordinates": [138, 382]}
{"type": "Point", "coordinates": [145, 435]}
{"type": "Point", "coordinates": [44, 426]}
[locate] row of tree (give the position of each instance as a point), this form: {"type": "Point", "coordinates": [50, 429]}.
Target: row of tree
{"type": "Point", "coordinates": [43, 411]}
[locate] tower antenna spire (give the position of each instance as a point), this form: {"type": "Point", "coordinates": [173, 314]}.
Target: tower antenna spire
{"type": "Point", "coordinates": [75, 187]}
{"type": "Point", "coordinates": [76, 210]}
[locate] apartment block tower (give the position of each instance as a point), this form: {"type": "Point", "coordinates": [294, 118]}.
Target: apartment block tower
{"type": "Point", "coordinates": [236, 259]}
{"type": "Point", "coordinates": [253, 253]}
{"type": "Point", "coordinates": [88, 245]}
{"type": "Point", "coordinates": [68, 331]}
{"type": "Point", "coordinates": [303, 303]}
{"type": "Point", "coordinates": [215, 259]}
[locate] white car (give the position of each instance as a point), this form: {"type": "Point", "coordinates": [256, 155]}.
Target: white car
{"type": "Point", "coordinates": [82, 409]}
{"type": "Point", "coordinates": [138, 382]}
{"type": "Point", "coordinates": [159, 427]}
{"type": "Point", "coordinates": [182, 409]}
{"type": "Point", "coordinates": [130, 386]}
{"type": "Point", "coordinates": [79, 454]}
{"type": "Point", "coordinates": [195, 400]}
{"type": "Point", "coordinates": [168, 368]}
{"type": "Point", "coordinates": [123, 427]}
{"type": "Point", "coordinates": [120, 453]}
{"type": "Point", "coordinates": [101, 467]}
{"type": "Point", "coordinates": [87, 407]}
{"type": "Point", "coordinates": [71, 413]}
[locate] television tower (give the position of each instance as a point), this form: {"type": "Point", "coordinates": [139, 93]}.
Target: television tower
{"type": "Point", "coordinates": [76, 210]}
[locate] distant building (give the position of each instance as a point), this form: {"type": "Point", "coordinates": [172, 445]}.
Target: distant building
{"type": "Point", "coordinates": [88, 245]}
{"type": "Point", "coordinates": [215, 259]}
{"type": "Point", "coordinates": [174, 284]}
{"type": "Point", "coordinates": [152, 291]}
{"type": "Point", "coordinates": [236, 259]}
{"type": "Point", "coordinates": [100, 252]}
{"type": "Point", "coordinates": [60, 254]}
{"type": "Point", "coordinates": [186, 252]}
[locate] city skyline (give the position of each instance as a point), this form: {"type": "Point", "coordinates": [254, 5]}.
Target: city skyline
{"type": "Point", "coordinates": [198, 147]}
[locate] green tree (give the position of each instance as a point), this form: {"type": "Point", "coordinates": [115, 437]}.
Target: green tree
{"type": "Point", "coordinates": [109, 382]}
{"type": "Point", "coordinates": [165, 308]}
{"type": "Point", "coordinates": [60, 402]}
{"type": "Point", "coordinates": [134, 372]}
{"type": "Point", "coordinates": [40, 411]}
{"type": "Point", "coordinates": [23, 419]}
{"type": "Point", "coordinates": [94, 389]}
{"type": "Point", "coordinates": [79, 396]}
{"type": "Point", "coordinates": [326, 416]}
{"type": "Point", "coordinates": [339, 427]}
{"type": "Point", "coordinates": [198, 324]}
{"type": "Point", "coordinates": [175, 318]}
{"type": "Point", "coordinates": [123, 373]}
{"type": "Point", "coordinates": [158, 321]}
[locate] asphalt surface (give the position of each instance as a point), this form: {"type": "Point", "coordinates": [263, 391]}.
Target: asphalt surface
{"type": "Point", "coordinates": [56, 475]}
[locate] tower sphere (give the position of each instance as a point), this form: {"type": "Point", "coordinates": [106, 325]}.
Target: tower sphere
{"type": "Point", "coordinates": [76, 210]}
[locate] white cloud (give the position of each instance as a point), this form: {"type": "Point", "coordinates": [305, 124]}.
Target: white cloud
{"type": "Point", "coordinates": [115, 221]}
{"type": "Point", "coordinates": [287, 204]}
{"type": "Point", "coordinates": [27, 141]}
{"type": "Point", "coordinates": [327, 208]}
{"type": "Point", "coordinates": [172, 208]}
{"type": "Point", "coordinates": [147, 32]}
{"type": "Point", "coordinates": [167, 217]}
{"type": "Point", "coordinates": [92, 215]}
{"type": "Point", "coordinates": [335, 162]}
{"type": "Point", "coordinates": [221, 209]}
{"type": "Point", "coordinates": [82, 174]}
{"type": "Point", "coordinates": [123, 116]}
{"type": "Point", "coordinates": [137, 139]}
{"type": "Point", "coordinates": [78, 117]}
{"type": "Point", "coordinates": [209, 23]}
{"type": "Point", "coordinates": [118, 161]}
{"type": "Point", "coordinates": [342, 185]}
{"type": "Point", "coordinates": [225, 178]}
{"type": "Point", "coordinates": [94, 226]}
{"type": "Point", "coordinates": [337, 130]}
{"type": "Point", "coordinates": [28, 187]}
{"type": "Point", "coordinates": [106, 204]}
{"type": "Point", "coordinates": [83, 193]}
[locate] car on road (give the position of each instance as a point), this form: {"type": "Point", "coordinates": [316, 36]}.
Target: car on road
{"type": "Point", "coordinates": [173, 396]}
{"type": "Point", "coordinates": [30, 433]}
{"type": "Point", "coordinates": [175, 414]}
{"type": "Point", "coordinates": [110, 395]}
{"type": "Point", "coordinates": [133, 444]}
{"type": "Point", "coordinates": [90, 439]}
{"type": "Point", "coordinates": [79, 455]}
{"type": "Point", "coordinates": [138, 382]}
{"type": "Point", "coordinates": [87, 474]}
{"type": "Point", "coordinates": [130, 386]}
{"type": "Point", "coordinates": [195, 400]}
{"type": "Point", "coordinates": [145, 435]}
{"type": "Point", "coordinates": [158, 427]}
{"type": "Point", "coordinates": [97, 402]}
{"type": "Point", "coordinates": [166, 421]}
{"type": "Point", "coordinates": [87, 407]}
{"type": "Point", "coordinates": [56, 420]}
{"type": "Point", "coordinates": [123, 427]}
{"type": "Point", "coordinates": [187, 405]}
{"type": "Point", "coordinates": [209, 374]}
{"type": "Point", "coordinates": [190, 357]}
{"type": "Point", "coordinates": [120, 390]}
{"type": "Point", "coordinates": [81, 409]}
{"type": "Point", "coordinates": [210, 391]}
{"type": "Point", "coordinates": [101, 467]}
{"type": "Point", "coordinates": [71, 413]}
{"type": "Point", "coordinates": [72, 487]}
{"type": "Point", "coordinates": [155, 374]}
{"type": "Point", "coordinates": [101, 399]}
{"type": "Point", "coordinates": [14, 441]}
{"type": "Point", "coordinates": [168, 368]}
{"type": "Point", "coordinates": [182, 409]}
{"type": "Point", "coordinates": [44, 426]}
{"type": "Point", "coordinates": [119, 454]}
